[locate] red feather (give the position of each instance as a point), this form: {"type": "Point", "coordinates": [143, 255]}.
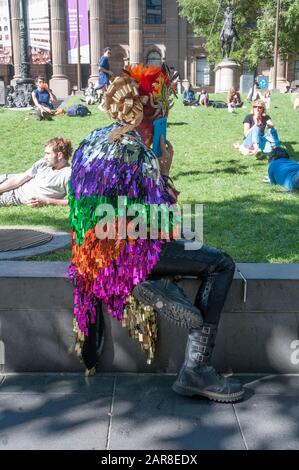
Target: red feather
{"type": "Point", "coordinates": [146, 76]}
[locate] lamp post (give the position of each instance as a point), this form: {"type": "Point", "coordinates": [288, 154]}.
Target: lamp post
{"type": "Point", "coordinates": [276, 46]}
{"type": "Point", "coordinates": [23, 42]}
{"type": "Point", "coordinates": [21, 96]}
{"type": "Point", "coordinates": [78, 47]}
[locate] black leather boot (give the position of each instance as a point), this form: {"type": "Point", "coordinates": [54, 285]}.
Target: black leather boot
{"type": "Point", "coordinates": [169, 301]}
{"type": "Point", "coordinates": [198, 377]}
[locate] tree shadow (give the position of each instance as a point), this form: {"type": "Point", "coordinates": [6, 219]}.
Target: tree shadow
{"type": "Point", "coordinates": [235, 167]}
{"type": "Point", "coordinates": [220, 162]}
{"type": "Point", "coordinates": [145, 413]}
{"type": "Point", "coordinates": [52, 407]}
{"type": "Point", "coordinates": [260, 229]}
{"type": "Point", "coordinates": [182, 123]}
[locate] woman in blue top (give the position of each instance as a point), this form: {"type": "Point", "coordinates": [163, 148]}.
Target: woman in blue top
{"type": "Point", "coordinates": [43, 99]}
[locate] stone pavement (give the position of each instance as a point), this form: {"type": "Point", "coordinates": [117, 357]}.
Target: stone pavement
{"type": "Point", "coordinates": [140, 411]}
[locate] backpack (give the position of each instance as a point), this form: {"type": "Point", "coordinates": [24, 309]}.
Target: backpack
{"type": "Point", "coordinates": [219, 104]}
{"type": "Point", "coordinates": [78, 110]}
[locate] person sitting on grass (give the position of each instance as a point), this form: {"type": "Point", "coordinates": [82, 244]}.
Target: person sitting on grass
{"type": "Point", "coordinates": [43, 99]}
{"type": "Point", "coordinates": [296, 103]}
{"type": "Point", "coordinates": [45, 183]}
{"type": "Point", "coordinates": [203, 98]}
{"type": "Point", "coordinates": [267, 99]}
{"type": "Point", "coordinates": [189, 97]}
{"type": "Point", "coordinates": [90, 94]}
{"type": "Point", "coordinates": [233, 100]}
{"type": "Point", "coordinates": [255, 138]}
{"type": "Point", "coordinates": [282, 170]}
{"type": "Point", "coordinates": [254, 93]}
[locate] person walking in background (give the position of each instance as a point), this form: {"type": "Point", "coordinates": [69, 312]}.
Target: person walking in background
{"type": "Point", "coordinates": [105, 74]}
{"type": "Point", "coordinates": [176, 79]}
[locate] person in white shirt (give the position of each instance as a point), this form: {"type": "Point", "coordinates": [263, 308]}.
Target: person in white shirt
{"type": "Point", "coordinates": [254, 93]}
{"type": "Point", "coordinates": [45, 183]}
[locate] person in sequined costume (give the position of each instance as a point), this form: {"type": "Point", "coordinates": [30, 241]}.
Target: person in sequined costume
{"type": "Point", "coordinates": [118, 161]}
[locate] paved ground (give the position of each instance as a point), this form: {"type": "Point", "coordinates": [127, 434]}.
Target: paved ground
{"type": "Point", "coordinates": [116, 412]}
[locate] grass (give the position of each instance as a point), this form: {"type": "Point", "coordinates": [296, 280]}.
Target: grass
{"type": "Point", "coordinates": [249, 219]}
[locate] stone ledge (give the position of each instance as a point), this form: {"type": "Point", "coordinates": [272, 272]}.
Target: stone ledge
{"type": "Point", "coordinates": [254, 337]}
{"type": "Point", "coordinates": [277, 271]}
{"type": "Point", "coordinates": [269, 288]}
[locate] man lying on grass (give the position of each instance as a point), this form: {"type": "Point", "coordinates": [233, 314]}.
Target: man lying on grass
{"type": "Point", "coordinates": [45, 183]}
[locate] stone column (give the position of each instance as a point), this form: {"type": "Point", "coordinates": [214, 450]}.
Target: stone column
{"type": "Point", "coordinates": [15, 24]}
{"type": "Point", "coordinates": [172, 34]}
{"type": "Point", "coordinates": [183, 53]}
{"type": "Point", "coordinates": [96, 8]}
{"type": "Point", "coordinates": [227, 75]}
{"type": "Point", "coordinates": [59, 82]}
{"type": "Point", "coordinates": [135, 31]}
{"type": "Point", "coordinates": [193, 68]}
{"type": "Point", "coordinates": [282, 81]}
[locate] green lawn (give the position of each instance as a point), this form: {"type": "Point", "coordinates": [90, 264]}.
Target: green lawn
{"type": "Point", "coordinates": [242, 215]}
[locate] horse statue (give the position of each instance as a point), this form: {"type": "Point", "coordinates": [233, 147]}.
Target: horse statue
{"type": "Point", "coordinates": [228, 34]}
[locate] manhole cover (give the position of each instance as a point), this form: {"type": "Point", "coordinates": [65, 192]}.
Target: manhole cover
{"type": "Point", "coordinates": [15, 239]}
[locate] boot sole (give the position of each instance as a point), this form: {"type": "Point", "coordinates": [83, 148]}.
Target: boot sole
{"type": "Point", "coordinates": [191, 392]}
{"type": "Point", "coordinates": [182, 317]}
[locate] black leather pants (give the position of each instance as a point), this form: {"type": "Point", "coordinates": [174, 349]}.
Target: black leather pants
{"type": "Point", "coordinates": [214, 267]}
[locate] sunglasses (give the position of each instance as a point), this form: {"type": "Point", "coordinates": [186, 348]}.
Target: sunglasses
{"type": "Point", "coordinates": [259, 107]}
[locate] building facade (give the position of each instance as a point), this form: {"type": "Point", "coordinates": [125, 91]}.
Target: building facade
{"type": "Point", "coordinates": [149, 31]}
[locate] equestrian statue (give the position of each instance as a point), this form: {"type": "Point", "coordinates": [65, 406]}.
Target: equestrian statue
{"type": "Point", "coordinates": [228, 34]}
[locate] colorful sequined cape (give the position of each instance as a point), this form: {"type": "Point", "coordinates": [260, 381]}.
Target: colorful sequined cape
{"type": "Point", "coordinates": [106, 270]}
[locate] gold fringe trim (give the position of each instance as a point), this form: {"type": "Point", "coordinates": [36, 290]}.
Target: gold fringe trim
{"type": "Point", "coordinates": [77, 348]}
{"type": "Point", "coordinates": [141, 323]}
{"type": "Point", "coordinates": [140, 320]}
{"type": "Point", "coordinates": [79, 340]}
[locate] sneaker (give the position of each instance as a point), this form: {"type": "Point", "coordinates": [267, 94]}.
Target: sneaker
{"type": "Point", "coordinates": [170, 301]}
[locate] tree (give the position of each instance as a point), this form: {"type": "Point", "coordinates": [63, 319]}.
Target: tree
{"type": "Point", "coordinates": [255, 23]}
{"type": "Point", "coordinates": [263, 36]}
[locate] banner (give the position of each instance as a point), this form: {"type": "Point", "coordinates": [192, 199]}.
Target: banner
{"type": "Point", "coordinates": [5, 34]}
{"type": "Point", "coordinates": [72, 31]}
{"type": "Point", "coordinates": [38, 31]}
